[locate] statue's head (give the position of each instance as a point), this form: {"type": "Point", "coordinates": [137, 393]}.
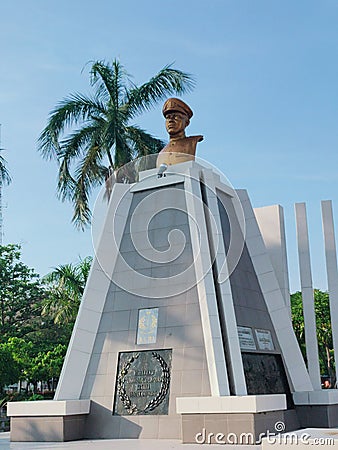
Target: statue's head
{"type": "Point", "coordinates": [177, 116]}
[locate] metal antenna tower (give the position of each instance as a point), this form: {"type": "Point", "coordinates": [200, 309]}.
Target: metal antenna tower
{"type": "Point", "coordinates": [1, 218]}
{"type": "Point", "coordinates": [2, 180]}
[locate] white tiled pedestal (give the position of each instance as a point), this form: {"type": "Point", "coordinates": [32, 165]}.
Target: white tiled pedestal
{"type": "Point", "coordinates": [50, 421]}
{"type": "Point", "coordinates": [220, 419]}
{"type": "Point", "coordinates": [317, 408]}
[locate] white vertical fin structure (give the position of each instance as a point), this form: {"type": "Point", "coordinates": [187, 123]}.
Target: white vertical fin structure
{"type": "Point", "coordinates": [307, 295]}
{"type": "Point", "coordinates": [279, 312]}
{"type": "Point", "coordinates": [235, 369]}
{"type": "Point", "coordinates": [217, 367]}
{"type": "Point", "coordinates": [271, 224]}
{"type": "Point", "coordinates": [331, 269]}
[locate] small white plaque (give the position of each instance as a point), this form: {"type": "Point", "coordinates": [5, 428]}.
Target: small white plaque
{"type": "Point", "coordinates": [147, 326]}
{"type": "Point", "coordinates": [264, 339]}
{"type": "Point", "coordinates": [246, 339]}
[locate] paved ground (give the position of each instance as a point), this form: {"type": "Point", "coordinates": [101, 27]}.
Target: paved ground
{"type": "Point", "coordinates": [311, 437]}
{"type": "Point", "coordinates": [125, 444]}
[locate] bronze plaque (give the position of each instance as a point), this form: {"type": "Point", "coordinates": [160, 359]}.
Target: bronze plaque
{"type": "Point", "coordinates": [265, 374]}
{"type": "Point", "coordinates": [143, 383]}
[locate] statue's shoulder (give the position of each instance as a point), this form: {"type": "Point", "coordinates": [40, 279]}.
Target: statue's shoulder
{"type": "Point", "coordinates": [196, 139]}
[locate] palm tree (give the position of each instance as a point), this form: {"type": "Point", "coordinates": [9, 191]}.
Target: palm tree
{"type": "Point", "coordinates": [65, 286]}
{"type": "Point", "coordinates": [104, 139]}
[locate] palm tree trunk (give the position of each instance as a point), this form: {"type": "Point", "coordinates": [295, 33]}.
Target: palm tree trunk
{"type": "Point", "coordinates": [110, 159]}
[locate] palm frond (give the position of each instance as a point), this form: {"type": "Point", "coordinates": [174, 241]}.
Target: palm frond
{"type": "Point", "coordinates": [67, 277]}
{"type": "Point", "coordinates": [109, 81]}
{"type": "Point", "coordinates": [143, 142]}
{"type": "Point", "coordinates": [60, 307]}
{"type": "Point", "coordinates": [123, 151]}
{"type": "Point", "coordinates": [70, 111]}
{"type": "Point", "coordinates": [66, 182]}
{"type": "Point", "coordinates": [84, 267]}
{"type": "Point", "coordinates": [76, 145]}
{"type": "Point", "coordinates": [65, 286]}
{"type": "Point", "coordinates": [89, 174]}
{"type": "Point", "coordinates": [167, 82]}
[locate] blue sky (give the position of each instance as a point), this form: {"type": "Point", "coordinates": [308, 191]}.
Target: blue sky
{"type": "Point", "coordinates": [266, 101]}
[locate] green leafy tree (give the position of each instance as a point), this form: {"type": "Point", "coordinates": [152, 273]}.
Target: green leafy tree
{"type": "Point", "coordinates": [324, 330]}
{"type": "Point", "coordinates": [9, 368]}
{"type": "Point", "coordinates": [66, 285]}
{"type": "Point", "coordinates": [47, 366]}
{"type": "Point", "coordinates": [51, 334]}
{"type": "Point", "coordinates": [21, 295]}
{"type": "Point", "coordinates": [22, 360]}
{"type": "Point", "coordinates": [23, 353]}
{"type": "Point", "coordinates": [33, 346]}
{"type": "Point", "coordinates": [104, 137]}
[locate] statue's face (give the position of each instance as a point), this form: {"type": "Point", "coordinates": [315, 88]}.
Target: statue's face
{"type": "Point", "coordinates": [175, 123]}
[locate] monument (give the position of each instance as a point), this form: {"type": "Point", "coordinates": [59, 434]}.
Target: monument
{"type": "Point", "coordinates": [184, 326]}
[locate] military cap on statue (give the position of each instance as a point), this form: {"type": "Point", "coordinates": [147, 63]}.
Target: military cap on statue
{"type": "Point", "coordinates": [176, 105]}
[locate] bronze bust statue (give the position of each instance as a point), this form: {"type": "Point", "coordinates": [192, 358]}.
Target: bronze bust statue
{"type": "Point", "coordinates": [180, 148]}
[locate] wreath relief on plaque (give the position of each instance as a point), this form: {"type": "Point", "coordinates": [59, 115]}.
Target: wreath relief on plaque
{"type": "Point", "coordinates": [143, 382]}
